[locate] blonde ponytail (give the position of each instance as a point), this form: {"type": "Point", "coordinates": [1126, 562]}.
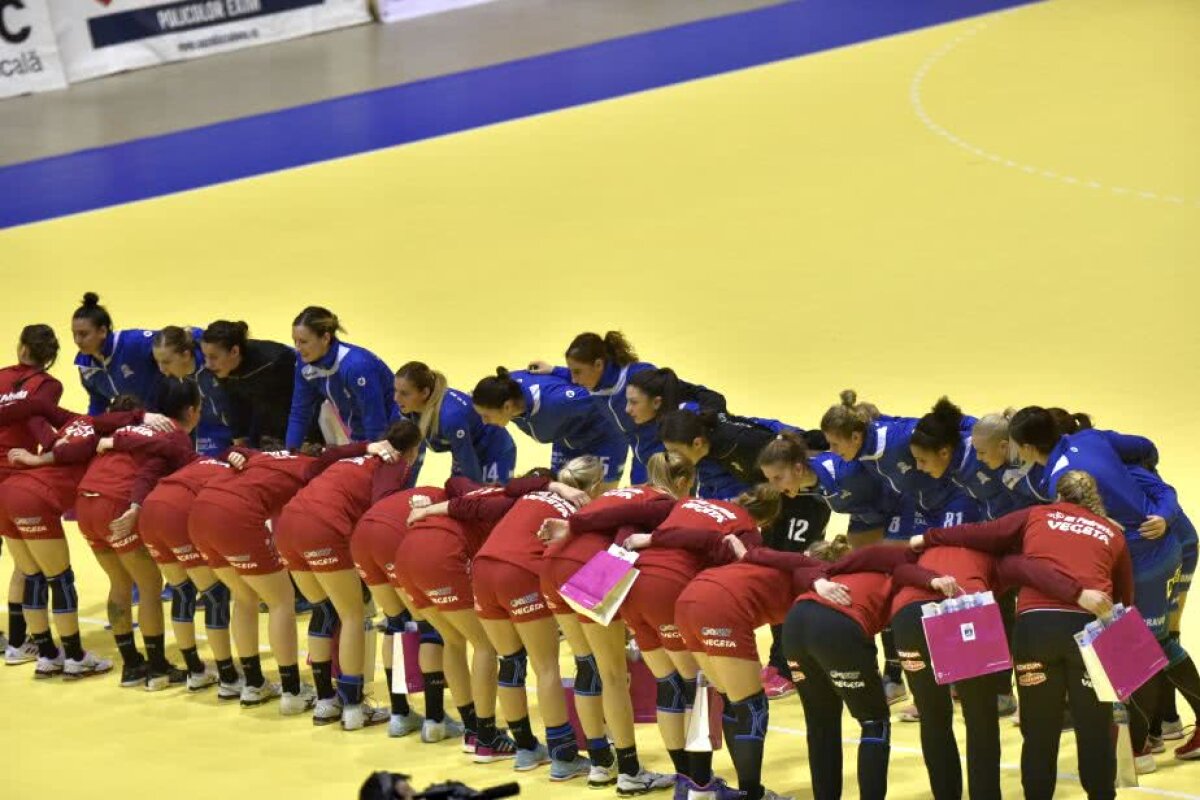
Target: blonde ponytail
{"type": "Point", "coordinates": [584, 472]}
{"type": "Point", "coordinates": [829, 549]}
{"type": "Point", "coordinates": [667, 470]}
{"type": "Point", "coordinates": [1080, 488]}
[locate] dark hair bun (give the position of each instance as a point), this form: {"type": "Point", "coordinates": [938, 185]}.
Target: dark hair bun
{"type": "Point", "coordinates": [501, 372]}
{"type": "Point", "coordinates": [90, 299]}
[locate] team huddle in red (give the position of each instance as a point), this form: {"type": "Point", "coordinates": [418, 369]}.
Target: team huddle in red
{"type": "Point", "coordinates": [483, 564]}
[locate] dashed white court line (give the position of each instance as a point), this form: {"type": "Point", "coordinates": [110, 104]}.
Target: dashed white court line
{"type": "Point", "coordinates": [1070, 776]}
{"type": "Point", "coordinates": [918, 106]}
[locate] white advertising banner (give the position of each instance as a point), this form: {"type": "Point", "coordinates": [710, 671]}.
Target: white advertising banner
{"type": "Point", "coordinates": [99, 37]}
{"type": "Point", "coordinates": [396, 10]}
{"type": "Point", "coordinates": [28, 54]}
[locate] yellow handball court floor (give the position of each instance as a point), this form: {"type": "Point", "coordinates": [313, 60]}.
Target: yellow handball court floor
{"type": "Point", "coordinates": [1004, 209]}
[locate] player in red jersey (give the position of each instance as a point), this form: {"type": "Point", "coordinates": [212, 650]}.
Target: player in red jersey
{"type": "Point", "coordinates": [313, 537]}
{"type": "Point", "coordinates": [373, 545]}
{"type": "Point", "coordinates": [600, 654]}
{"type": "Point", "coordinates": [973, 572]}
{"type": "Point", "coordinates": [1075, 536]}
{"type": "Point", "coordinates": [435, 561]}
{"type": "Point", "coordinates": [506, 579]}
{"type": "Point", "coordinates": [37, 350]}
{"type": "Point", "coordinates": [691, 539]}
{"type": "Point", "coordinates": [106, 503]}
{"type": "Point", "coordinates": [33, 501]}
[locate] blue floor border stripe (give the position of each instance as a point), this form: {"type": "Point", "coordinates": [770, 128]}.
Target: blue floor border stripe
{"type": "Point", "coordinates": [240, 148]}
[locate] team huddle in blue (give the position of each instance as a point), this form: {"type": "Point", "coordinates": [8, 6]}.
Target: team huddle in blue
{"type": "Point", "coordinates": [894, 477]}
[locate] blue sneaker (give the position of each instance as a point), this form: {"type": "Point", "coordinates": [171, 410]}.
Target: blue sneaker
{"type": "Point", "coordinates": [569, 770]}
{"type": "Point", "coordinates": [531, 759]}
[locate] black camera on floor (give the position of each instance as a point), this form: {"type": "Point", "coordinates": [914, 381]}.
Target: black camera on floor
{"type": "Point", "coordinates": [395, 786]}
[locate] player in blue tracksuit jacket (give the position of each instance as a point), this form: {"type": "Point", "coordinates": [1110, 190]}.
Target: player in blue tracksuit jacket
{"type": "Point", "coordinates": [353, 379]}
{"type": "Point", "coordinates": [554, 411]}
{"type": "Point", "coordinates": [178, 355]}
{"type": "Point", "coordinates": [112, 362]}
{"type": "Point", "coordinates": [449, 423]}
{"type": "Point", "coordinates": [608, 367]}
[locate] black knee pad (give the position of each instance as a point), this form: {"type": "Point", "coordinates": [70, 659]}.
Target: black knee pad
{"type": "Point", "coordinates": [672, 694]}
{"type": "Point", "coordinates": [513, 669]}
{"type": "Point", "coordinates": [183, 602]}
{"type": "Point", "coordinates": [395, 625]}
{"type": "Point", "coordinates": [324, 619]}
{"type": "Point", "coordinates": [689, 691]}
{"type": "Point", "coordinates": [429, 634]}
{"type": "Point", "coordinates": [587, 677]}
{"type": "Point", "coordinates": [64, 598]}
{"type": "Point", "coordinates": [37, 592]}
{"type": "Point", "coordinates": [216, 607]}
{"type": "Point", "coordinates": [876, 731]}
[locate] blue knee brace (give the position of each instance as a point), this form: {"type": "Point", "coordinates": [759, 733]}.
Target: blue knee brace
{"type": "Point", "coordinates": [587, 677]}
{"type": "Point", "coordinates": [395, 625]}
{"type": "Point", "coordinates": [429, 634]}
{"type": "Point", "coordinates": [672, 694]}
{"type": "Point", "coordinates": [37, 592]}
{"type": "Point", "coordinates": [876, 732]}
{"type": "Point", "coordinates": [64, 598]}
{"type": "Point", "coordinates": [513, 669]}
{"type": "Point", "coordinates": [324, 619]}
{"type": "Point", "coordinates": [183, 602]}
{"type": "Point", "coordinates": [216, 607]}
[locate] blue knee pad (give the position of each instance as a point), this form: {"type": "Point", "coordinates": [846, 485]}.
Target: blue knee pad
{"type": "Point", "coordinates": [395, 625]}
{"type": "Point", "coordinates": [216, 607]}
{"type": "Point", "coordinates": [37, 592]}
{"type": "Point", "coordinates": [324, 620]}
{"type": "Point", "coordinates": [513, 669]}
{"type": "Point", "coordinates": [429, 634]}
{"type": "Point", "coordinates": [672, 694]}
{"type": "Point", "coordinates": [183, 602]}
{"type": "Point", "coordinates": [64, 598]}
{"type": "Point", "coordinates": [876, 732]}
{"type": "Point", "coordinates": [587, 677]}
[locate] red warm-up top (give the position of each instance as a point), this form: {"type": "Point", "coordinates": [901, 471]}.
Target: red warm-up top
{"type": "Point", "coordinates": [1084, 546]}
{"type": "Point", "coordinates": [872, 574]}
{"type": "Point", "coordinates": [25, 392]}
{"type": "Point", "coordinates": [343, 492]}
{"type": "Point", "coordinates": [268, 480]}
{"type": "Point", "coordinates": [193, 477]}
{"type": "Point", "coordinates": [692, 537]}
{"type": "Point", "coordinates": [764, 583]}
{"type": "Point", "coordinates": [393, 509]}
{"type": "Point", "coordinates": [595, 526]}
{"type": "Point", "coordinates": [78, 434]}
{"type": "Point", "coordinates": [474, 510]}
{"type": "Point", "coordinates": [515, 540]}
{"type": "Point", "coordinates": [127, 473]}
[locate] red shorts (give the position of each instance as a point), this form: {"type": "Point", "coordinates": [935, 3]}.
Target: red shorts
{"type": "Point", "coordinates": [436, 569]}
{"type": "Point", "coordinates": [93, 512]}
{"type": "Point", "coordinates": [555, 572]}
{"type": "Point", "coordinates": [226, 537]}
{"type": "Point", "coordinates": [649, 610]}
{"type": "Point", "coordinates": [506, 591]}
{"type": "Point", "coordinates": [307, 544]}
{"type": "Point", "coordinates": [163, 525]}
{"type": "Point", "coordinates": [373, 548]}
{"type": "Point", "coordinates": [28, 515]}
{"type": "Point", "coordinates": [710, 623]}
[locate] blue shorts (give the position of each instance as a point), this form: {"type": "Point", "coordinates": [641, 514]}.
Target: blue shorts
{"type": "Point", "coordinates": [1154, 586]}
{"type": "Point", "coordinates": [612, 452]}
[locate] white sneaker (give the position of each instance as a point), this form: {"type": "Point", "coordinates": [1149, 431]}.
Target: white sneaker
{"type": "Point", "coordinates": [230, 691]}
{"type": "Point", "coordinates": [363, 715]}
{"type": "Point", "coordinates": [327, 711]}
{"type": "Point", "coordinates": [894, 692]}
{"type": "Point", "coordinates": [49, 667]}
{"type": "Point", "coordinates": [14, 656]}
{"type": "Point", "coordinates": [253, 696]}
{"type": "Point", "coordinates": [405, 725]}
{"type": "Point", "coordinates": [645, 781]}
{"type": "Point", "coordinates": [1170, 730]}
{"type": "Point", "coordinates": [1144, 764]}
{"type": "Point", "coordinates": [199, 681]}
{"type": "Point", "coordinates": [599, 777]}
{"type": "Point", "coordinates": [433, 732]}
{"type": "Point", "coordinates": [910, 714]}
{"type": "Point", "coordinates": [174, 676]}
{"type": "Point", "coordinates": [85, 667]}
{"type": "Point", "coordinates": [291, 705]}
